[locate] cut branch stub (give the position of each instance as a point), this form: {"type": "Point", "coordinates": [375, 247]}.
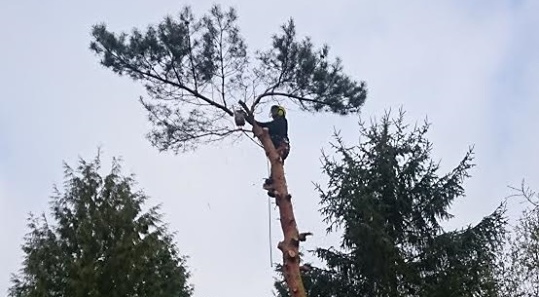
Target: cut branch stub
{"type": "Point", "coordinates": [292, 254]}
{"type": "Point", "coordinates": [303, 236]}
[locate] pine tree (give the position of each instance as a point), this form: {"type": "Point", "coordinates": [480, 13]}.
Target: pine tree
{"type": "Point", "coordinates": [198, 74]}
{"type": "Point", "coordinates": [101, 243]}
{"type": "Point", "coordinates": [387, 196]}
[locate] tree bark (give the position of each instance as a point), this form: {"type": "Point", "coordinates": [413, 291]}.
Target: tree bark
{"type": "Point", "coordinates": [290, 245]}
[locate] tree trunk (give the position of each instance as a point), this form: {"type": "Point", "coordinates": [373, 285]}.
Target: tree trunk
{"type": "Point", "coordinates": [290, 245]}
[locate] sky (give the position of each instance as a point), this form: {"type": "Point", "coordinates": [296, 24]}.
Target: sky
{"type": "Point", "coordinates": [471, 67]}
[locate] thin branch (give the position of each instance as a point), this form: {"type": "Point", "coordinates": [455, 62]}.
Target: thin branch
{"type": "Point", "coordinates": [267, 91]}
{"type": "Point", "coordinates": [151, 110]}
{"type": "Point", "coordinates": [178, 85]}
{"type": "Point", "coordinates": [220, 135]}
{"type": "Point", "coordinates": [181, 86]}
{"type": "Point", "coordinates": [525, 192]}
{"type": "Point", "coordinates": [290, 95]}
{"type": "Point", "coordinates": [172, 65]}
{"type": "Point", "coordinates": [222, 63]}
{"type": "Point", "coordinates": [193, 70]}
{"type": "Point", "coordinates": [150, 65]}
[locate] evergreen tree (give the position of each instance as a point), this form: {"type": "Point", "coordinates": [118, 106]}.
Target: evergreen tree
{"type": "Point", "coordinates": [102, 243]}
{"type": "Point", "coordinates": [387, 196]}
{"type": "Point", "coordinates": [198, 75]}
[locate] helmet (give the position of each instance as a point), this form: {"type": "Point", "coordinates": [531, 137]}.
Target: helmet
{"type": "Point", "coordinates": [279, 110]}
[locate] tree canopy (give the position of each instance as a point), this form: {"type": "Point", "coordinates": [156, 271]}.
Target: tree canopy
{"type": "Point", "coordinates": [196, 70]}
{"type": "Point", "coordinates": [102, 242]}
{"type": "Point", "coordinates": [388, 197]}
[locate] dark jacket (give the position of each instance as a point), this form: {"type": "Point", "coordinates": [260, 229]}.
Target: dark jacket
{"type": "Point", "coordinates": [278, 129]}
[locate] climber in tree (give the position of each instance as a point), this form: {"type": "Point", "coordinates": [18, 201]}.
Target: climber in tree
{"type": "Point", "coordinates": [278, 132]}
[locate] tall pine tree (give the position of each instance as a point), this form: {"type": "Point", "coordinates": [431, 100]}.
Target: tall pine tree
{"type": "Point", "coordinates": [101, 243]}
{"type": "Point", "coordinates": [388, 197]}
{"type": "Point", "coordinates": [198, 74]}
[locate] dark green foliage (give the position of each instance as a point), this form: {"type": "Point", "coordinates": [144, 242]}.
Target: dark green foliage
{"type": "Point", "coordinates": [295, 67]}
{"type": "Point", "coordinates": [102, 243]}
{"type": "Point", "coordinates": [387, 196]}
{"type": "Point", "coordinates": [318, 283]}
{"type": "Point", "coordinates": [195, 70]}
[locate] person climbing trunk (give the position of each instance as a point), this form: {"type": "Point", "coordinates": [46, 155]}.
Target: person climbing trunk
{"type": "Point", "coordinates": [277, 150]}
{"type": "Point", "coordinates": [278, 132]}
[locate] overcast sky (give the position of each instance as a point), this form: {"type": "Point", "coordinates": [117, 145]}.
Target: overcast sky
{"type": "Point", "coordinates": [472, 67]}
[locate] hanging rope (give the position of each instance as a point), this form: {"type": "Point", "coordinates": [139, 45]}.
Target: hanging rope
{"type": "Point", "coordinates": [269, 221]}
{"type": "Point", "coordinates": [269, 235]}
{"type": "Point", "coordinates": [254, 141]}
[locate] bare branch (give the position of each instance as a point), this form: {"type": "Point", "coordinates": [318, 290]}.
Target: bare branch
{"type": "Point", "coordinates": [150, 109]}
{"type": "Point", "coordinates": [525, 192]}
{"type": "Point", "coordinates": [289, 95]}
{"type": "Point", "coordinates": [220, 136]}
{"type": "Point", "coordinates": [221, 60]}
{"type": "Point", "coordinates": [269, 90]}
{"type": "Point", "coordinates": [191, 60]}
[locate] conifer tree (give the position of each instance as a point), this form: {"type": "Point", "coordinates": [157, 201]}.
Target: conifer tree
{"type": "Point", "coordinates": [389, 198]}
{"type": "Point", "coordinates": [198, 73]}
{"type": "Point", "coordinates": [98, 242]}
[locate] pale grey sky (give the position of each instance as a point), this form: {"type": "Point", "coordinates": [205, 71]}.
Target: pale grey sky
{"type": "Point", "coordinates": [473, 69]}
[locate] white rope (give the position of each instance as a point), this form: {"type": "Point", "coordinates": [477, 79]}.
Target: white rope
{"type": "Point", "coordinates": [269, 222]}
{"type": "Point", "coordinates": [269, 235]}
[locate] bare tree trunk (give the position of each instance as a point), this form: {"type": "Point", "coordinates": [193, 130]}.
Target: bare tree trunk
{"type": "Point", "coordinates": [290, 245]}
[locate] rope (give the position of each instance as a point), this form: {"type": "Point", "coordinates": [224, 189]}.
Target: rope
{"type": "Point", "coordinates": [269, 203]}
{"type": "Point", "coordinates": [269, 233]}
{"type": "Point", "coordinates": [269, 222]}
{"type": "Point", "coordinates": [254, 141]}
